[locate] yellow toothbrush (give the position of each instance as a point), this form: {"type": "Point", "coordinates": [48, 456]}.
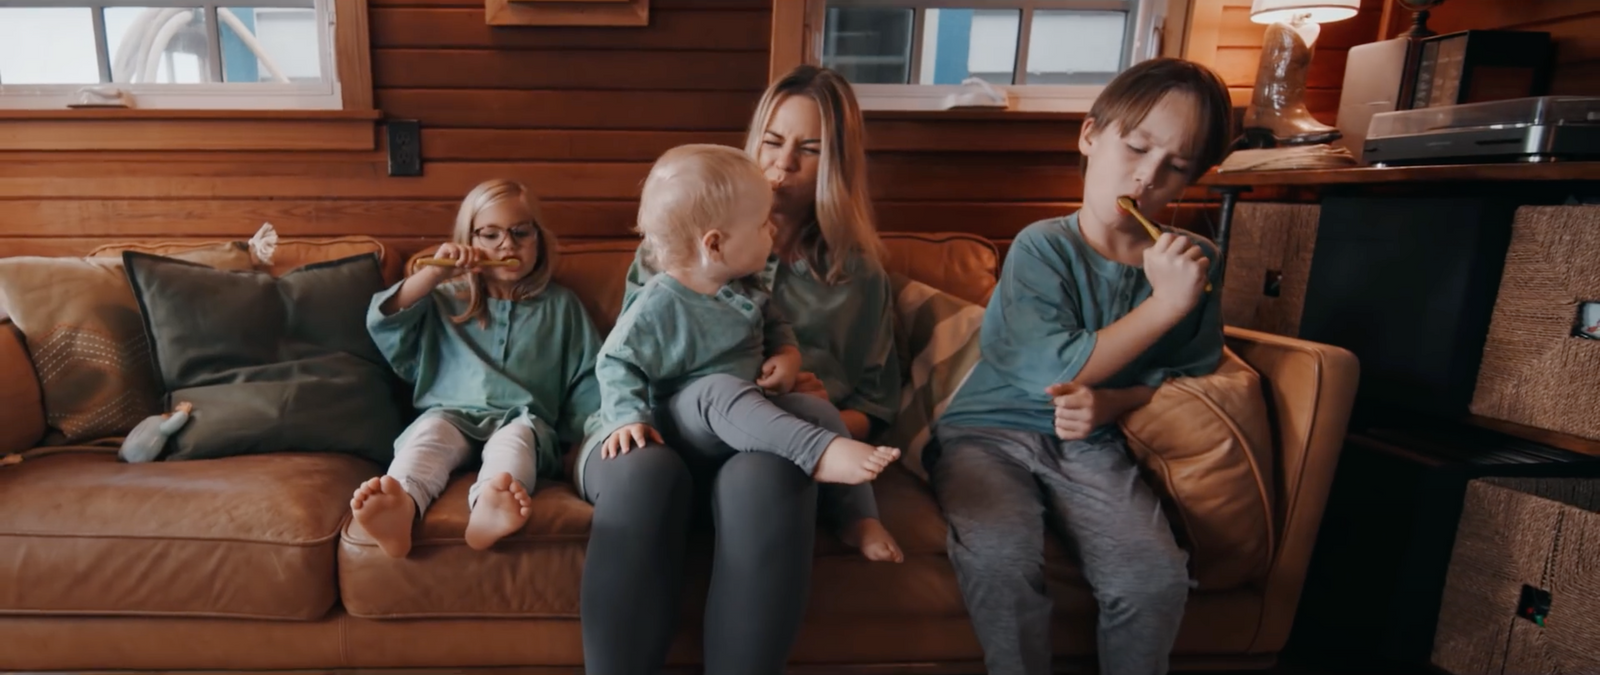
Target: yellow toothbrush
{"type": "Point", "coordinates": [1127, 205]}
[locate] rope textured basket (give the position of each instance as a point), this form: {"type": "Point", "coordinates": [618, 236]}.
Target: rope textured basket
{"type": "Point", "coordinates": [1535, 372]}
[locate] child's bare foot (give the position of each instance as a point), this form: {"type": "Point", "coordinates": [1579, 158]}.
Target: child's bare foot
{"type": "Point", "coordinates": [852, 462]}
{"type": "Point", "coordinates": [502, 508]}
{"type": "Point", "coordinates": [873, 540]}
{"type": "Point", "coordinates": [385, 511]}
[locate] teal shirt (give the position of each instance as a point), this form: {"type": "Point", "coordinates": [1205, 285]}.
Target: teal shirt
{"type": "Point", "coordinates": [533, 362]}
{"type": "Point", "coordinates": [1054, 296]}
{"type": "Point", "coordinates": [671, 335]}
{"type": "Point", "coordinates": [845, 331]}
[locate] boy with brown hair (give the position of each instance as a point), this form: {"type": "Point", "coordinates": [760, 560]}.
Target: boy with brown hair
{"type": "Point", "coordinates": [1089, 317]}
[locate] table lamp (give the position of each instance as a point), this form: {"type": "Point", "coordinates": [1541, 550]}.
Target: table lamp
{"type": "Point", "coordinates": [1277, 115]}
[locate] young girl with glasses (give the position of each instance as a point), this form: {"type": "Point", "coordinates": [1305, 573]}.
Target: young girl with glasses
{"type": "Point", "coordinates": [501, 361]}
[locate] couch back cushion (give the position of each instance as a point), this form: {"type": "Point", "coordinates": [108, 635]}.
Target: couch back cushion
{"type": "Point", "coordinates": [288, 254]}
{"type": "Point", "coordinates": [21, 403]}
{"type": "Point", "coordinates": [963, 265]}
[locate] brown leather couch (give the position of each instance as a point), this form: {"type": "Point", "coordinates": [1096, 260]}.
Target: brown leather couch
{"type": "Point", "coordinates": [252, 563]}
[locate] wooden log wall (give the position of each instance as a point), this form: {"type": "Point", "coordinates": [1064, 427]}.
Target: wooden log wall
{"type": "Point", "coordinates": [576, 113]}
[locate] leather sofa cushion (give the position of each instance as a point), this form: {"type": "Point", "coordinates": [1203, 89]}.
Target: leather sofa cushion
{"type": "Point", "coordinates": [243, 537]}
{"type": "Point", "coordinates": [1205, 444]}
{"type": "Point", "coordinates": [533, 573]}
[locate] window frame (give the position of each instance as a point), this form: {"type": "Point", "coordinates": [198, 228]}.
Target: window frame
{"type": "Point", "coordinates": [346, 68]}
{"type": "Point", "coordinates": [797, 33]}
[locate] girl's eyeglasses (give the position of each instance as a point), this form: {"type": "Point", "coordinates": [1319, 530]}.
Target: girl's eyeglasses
{"type": "Point", "coordinates": [492, 236]}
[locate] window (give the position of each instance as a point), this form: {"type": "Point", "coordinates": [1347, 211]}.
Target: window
{"type": "Point", "coordinates": [1047, 54]}
{"type": "Point", "coordinates": [211, 54]}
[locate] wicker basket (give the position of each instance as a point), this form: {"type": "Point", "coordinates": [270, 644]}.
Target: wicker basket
{"type": "Point", "coordinates": [1535, 372]}
{"type": "Point", "coordinates": [1269, 265]}
{"type": "Point", "coordinates": [1522, 594]}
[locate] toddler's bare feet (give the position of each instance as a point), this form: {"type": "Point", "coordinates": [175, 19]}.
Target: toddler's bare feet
{"type": "Point", "coordinates": [852, 462]}
{"type": "Point", "coordinates": [385, 511]}
{"type": "Point", "coordinates": [873, 540]}
{"type": "Point", "coordinates": [503, 507]}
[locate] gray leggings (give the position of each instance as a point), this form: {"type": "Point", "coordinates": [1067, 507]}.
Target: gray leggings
{"type": "Point", "coordinates": [999, 488]}
{"type": "Point", "coordinates": [764, 510]}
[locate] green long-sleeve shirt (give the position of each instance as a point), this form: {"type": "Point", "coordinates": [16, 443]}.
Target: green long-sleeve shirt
{"type": "Point", "coordinates": [845, 332]}
{"type": "Point", "coordinates": [534, 361]}
{"type": "Point", "coordinates": [1054, 296]}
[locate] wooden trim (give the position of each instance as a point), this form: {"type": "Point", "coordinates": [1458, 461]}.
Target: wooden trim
{"type": "Point", "coordinates": [573, 13]}
{"type": "Point", "coordinates": [788, 37]}
{"type": "Point", "coordinates": [1553, 171]}
{"type": "Point", "coordinates": [202, 134]}
{"type": "Point", "coordinates": [353, 53]}
{"type": "Point", "coordinates": [26, 114]}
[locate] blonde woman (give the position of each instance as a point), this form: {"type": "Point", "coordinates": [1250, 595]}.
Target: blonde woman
{"type": "Point", "coordinates": [826, 278]}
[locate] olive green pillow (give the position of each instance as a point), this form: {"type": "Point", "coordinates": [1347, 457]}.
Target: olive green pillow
{"type": "Point", "coordinates": [270, 364]}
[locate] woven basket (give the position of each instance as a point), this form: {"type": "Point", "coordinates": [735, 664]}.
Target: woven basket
{"type": "Point", "coordinates": [1535, 372]}
{"type": "Point", "coordinates": [1268, 240]}
{"type": "Point", "coordinates": [1522, 594]}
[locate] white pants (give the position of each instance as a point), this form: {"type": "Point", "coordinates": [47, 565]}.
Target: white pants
{"type": "Point", "coordinates": [436, 448]}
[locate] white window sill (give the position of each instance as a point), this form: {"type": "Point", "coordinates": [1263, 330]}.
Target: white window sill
{"type": "Point", "coordinates": [265, 97]}
{"type": "Point", "coordinates": [931, 97]}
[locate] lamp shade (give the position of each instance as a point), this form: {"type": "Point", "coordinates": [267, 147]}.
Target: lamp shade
{"type": "Point", "coordinates": [1317, 11]}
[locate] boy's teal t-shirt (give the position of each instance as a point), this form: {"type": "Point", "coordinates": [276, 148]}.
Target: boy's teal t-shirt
{"type": "Point", "coordinates": [1054, 295]}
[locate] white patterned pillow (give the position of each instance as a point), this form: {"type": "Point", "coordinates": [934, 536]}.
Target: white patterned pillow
{"type": "Point", "coordinates": [936, 335]}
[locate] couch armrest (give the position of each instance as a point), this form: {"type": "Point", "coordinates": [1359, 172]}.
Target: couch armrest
{"type": "Point", "coordinates": [1311, 388]}
{"type": "Point", "coordinates": [21, 404]}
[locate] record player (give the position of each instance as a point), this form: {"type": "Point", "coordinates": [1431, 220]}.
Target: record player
{"type": "Point", "coordinates": [1535, 129]}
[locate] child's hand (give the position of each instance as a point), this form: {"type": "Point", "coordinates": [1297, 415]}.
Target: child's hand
{"type": "Point", "coordinates": [1177, 270]}
{"type": "Point", "coordinates": [618, 443]}
{"type": "Point", "coordinates": [466, 257]}
{"type": "Point", "coordinates": [808, 383]}
{"type": "Point", "coordinates": [779, 372]}
{"type": "Point", "coordinates": [1079, 410]}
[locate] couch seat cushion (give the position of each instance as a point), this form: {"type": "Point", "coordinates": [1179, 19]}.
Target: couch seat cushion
{"type": "Point", "coordinates": [244, 537]}
{"type": "Point", "coordinates": [533, 573]}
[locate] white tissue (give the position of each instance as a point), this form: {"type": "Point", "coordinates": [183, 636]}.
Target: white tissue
{"type": "Point", "coordinates": [978, 93]}
{"type": "Point", "coordinates": [264, 244]}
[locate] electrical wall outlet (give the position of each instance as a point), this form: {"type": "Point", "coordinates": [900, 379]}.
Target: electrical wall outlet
{"type": "Point", "coordinates": [405, 147]}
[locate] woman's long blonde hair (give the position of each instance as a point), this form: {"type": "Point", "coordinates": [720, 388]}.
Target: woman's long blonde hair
{"type": "Point", "coordinates": [485, 194]}
{"type": "Point", "coordinates": [844, 227]}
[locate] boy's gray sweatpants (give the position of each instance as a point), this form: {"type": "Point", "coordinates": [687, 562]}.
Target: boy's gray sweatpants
{"type": "Point", "coordinates": [723, 411]}
{"type": "Point", "coordinates": [999, 487]}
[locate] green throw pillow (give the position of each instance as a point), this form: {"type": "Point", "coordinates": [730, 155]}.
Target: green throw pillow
{"type": "Point", "coordinates": [270, 364]}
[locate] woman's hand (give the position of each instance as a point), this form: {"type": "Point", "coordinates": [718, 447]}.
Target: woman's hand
{"type": "Point", "coordinates": [808, 383]}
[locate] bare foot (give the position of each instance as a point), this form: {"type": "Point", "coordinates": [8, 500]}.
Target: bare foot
{"type": "Point", "coordinates": [385, 511]}
{"type": "Point", "coordinates": [852, 462]}
{"type": "Point", "coordinates": [873, 540]}
{"type": "Point", "coordinates": [503, 507]}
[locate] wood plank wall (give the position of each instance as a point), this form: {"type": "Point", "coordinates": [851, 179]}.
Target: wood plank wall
{"type": "Point", "coordinates": [1574, 25]}
{"type": "Point", "coordinates": [577, 114]}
